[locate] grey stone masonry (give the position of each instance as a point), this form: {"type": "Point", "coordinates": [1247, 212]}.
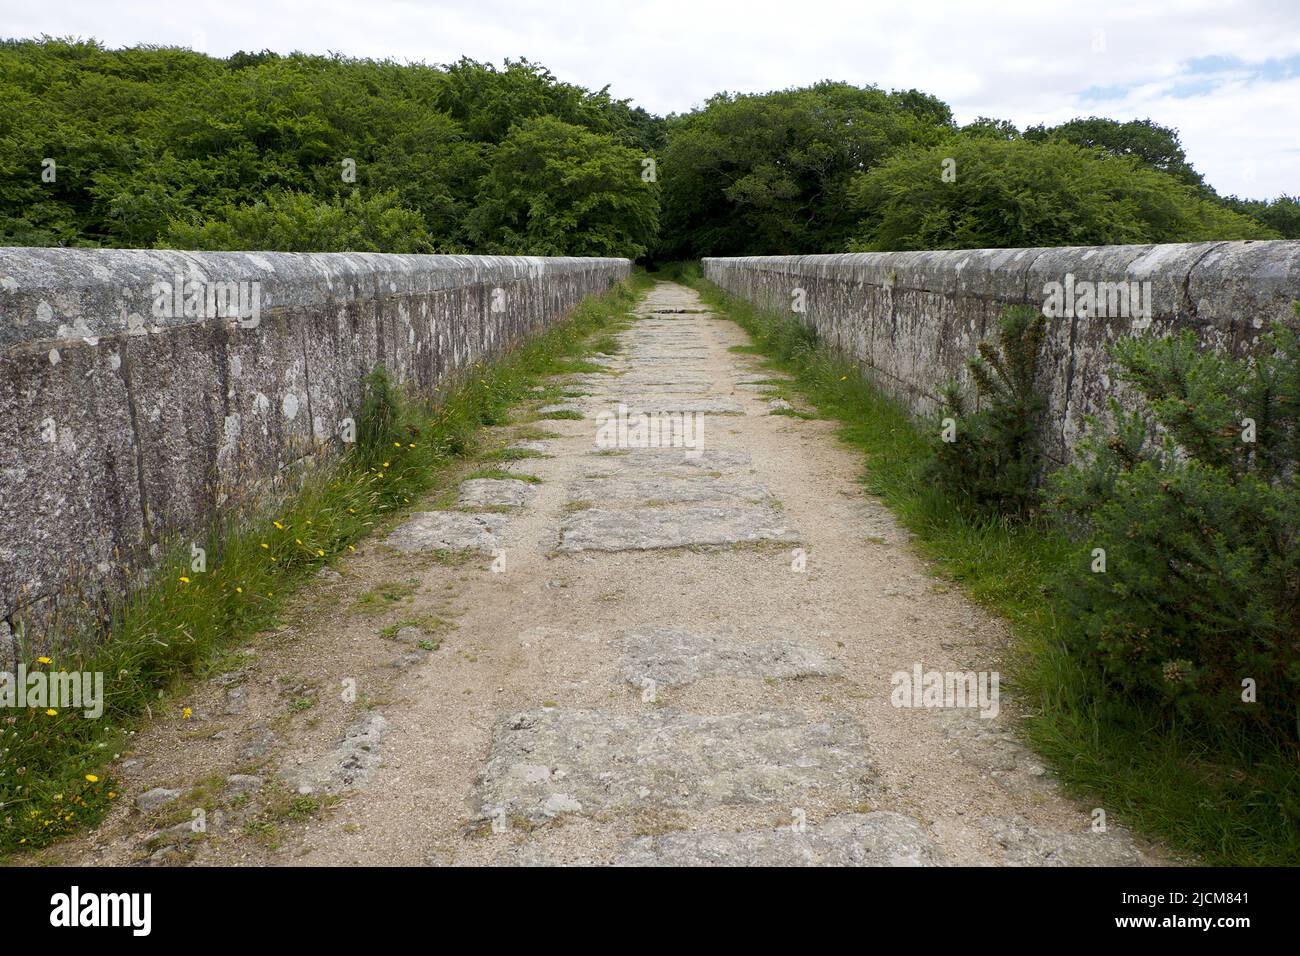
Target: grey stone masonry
{"type": "Point", "coordinates": [143, 392]}
{"type": "Point", "coordinates": [912, 319]}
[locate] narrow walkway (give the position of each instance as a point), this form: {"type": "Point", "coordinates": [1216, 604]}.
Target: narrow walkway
{"type": "Point", "coordinates": [671, 656]}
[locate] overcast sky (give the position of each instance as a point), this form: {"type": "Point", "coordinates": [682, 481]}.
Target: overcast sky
{"type": "Point", "coordinates": [1225, 73]}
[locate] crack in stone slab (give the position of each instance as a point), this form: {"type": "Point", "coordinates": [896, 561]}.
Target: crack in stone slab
{"type": "Point", "coordinates": [545, 763]}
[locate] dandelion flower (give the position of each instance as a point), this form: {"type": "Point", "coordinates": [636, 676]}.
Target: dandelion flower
{"type": "Point", "coordinates": [43, 660]}
{"type": "Point", "coordinates": [186, 713]}
{"type": "Point", "coordinates": [239, 590]}
{"type": "Point", "coordinates": [184, 580]}
{"type": "Point", "coordinates": [92, 778]}
{"type": "Point", "coordinates": [52, 712]}
{"type": "Point", "coordinates": [265, 545]}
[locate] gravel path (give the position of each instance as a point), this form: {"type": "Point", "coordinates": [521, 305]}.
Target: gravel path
{"type": "Point", "coordinates": [656, 655]}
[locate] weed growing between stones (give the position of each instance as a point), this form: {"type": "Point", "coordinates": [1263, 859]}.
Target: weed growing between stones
{"type": "Point", "coordinates": [54, 776]}
{"type": "Point", "coordinates": [1225, 794]}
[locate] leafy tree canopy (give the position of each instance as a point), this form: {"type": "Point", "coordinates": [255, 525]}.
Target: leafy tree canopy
{"type": "Point", "coordinates": [1015, 193]}
{"type": "Point", "coordinates": [157, 145]}
{"type": "Point", "coordinates": [767, 174]}
{"type": "Point", "coordinates": [1154, 146]}
{"type": "Point", "coordinates": [557, 189]}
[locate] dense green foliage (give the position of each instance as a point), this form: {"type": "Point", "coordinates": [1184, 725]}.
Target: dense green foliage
{"type": "Point", "coordinates": [1199, 533]}
{"type": "Point", "coordinates": [990, 458]}
{"type": "Point", "coordinates": [296, 222]}
{"type": "Point", "coordinates": [1014, 193]}
{"type": "Point", "coordinates": [767, 174]}
{"type": "Point", "coordinates": [1282, 214]}
{"type": "Point", "coordinates": [164, 146]}
{"type": "Point", "coordinates": [557, 189]}
{"type": "Point", "coordinates": [1152, 145]}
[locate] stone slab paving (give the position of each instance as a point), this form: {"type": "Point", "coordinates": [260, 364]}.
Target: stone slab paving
{"type": "Point", "coordinates": [1027, 845]}
{"type": "Point", "coordinates": [348, 765]}
{"type": "Point", "coordinates": [631, 381]}
{"type": "Point", "coordinates": [448, 531]}
{"type": "Point", "coordinates": [604, 529]}
{"type": "Point", "coordinates": [537, 447]}
{"type": "Point", "coordinates": [496, 492]}
{"type": "Point", "coordinates": [659, 405]}
{"type": "Point", "coordinates": [667, 461]}
{"type": "Point", "coordinates": [659, 489]}
{"type": "Point", "coordinates": [550, 762]}
{"type": "Point", "coordinates": [673, 656]}
{"type": "Point", "coordinates": [880, 838]}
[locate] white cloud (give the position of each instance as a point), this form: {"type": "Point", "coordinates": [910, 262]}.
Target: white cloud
{"type": "Point", "coordinates": [1025, 60]}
